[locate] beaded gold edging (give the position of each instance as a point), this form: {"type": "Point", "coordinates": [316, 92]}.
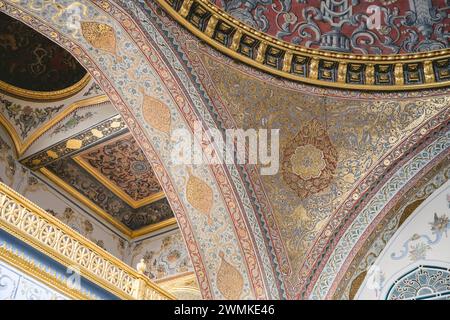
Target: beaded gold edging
{"type": "Point", "coordinates": [36, 227]}
{"type": "Point", "coordinates": [46, 95]}
{"type": "Point", "coordinates": [41, 274]}
{"type": "Point", "coordinates": [318, 67]}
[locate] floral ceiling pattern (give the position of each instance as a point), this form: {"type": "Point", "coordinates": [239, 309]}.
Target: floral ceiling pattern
{"type": "Point", "coordinates": [246, 220]}
{"type": "Point", "coordinates": [74, 175]}
{"type": "Point", "coordinates": [356, 26]}
{"type": "Point", "coordinates": [123, 164]}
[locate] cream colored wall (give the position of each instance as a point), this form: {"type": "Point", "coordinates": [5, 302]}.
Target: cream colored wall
{"type": "Point", "coordinates": [422, 240]}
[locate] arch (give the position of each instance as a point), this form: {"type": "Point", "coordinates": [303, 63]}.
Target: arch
{"type": "Point", "coordinates": [377, 207]}
{"type": "Point", "coordinates": [373, 246]}
{"type": "Point", "coordinates": [427, 282]}
{"type": "Point", "coordinates": [132, 72]}
{"type": "Point", "coordinates": [369, 202]}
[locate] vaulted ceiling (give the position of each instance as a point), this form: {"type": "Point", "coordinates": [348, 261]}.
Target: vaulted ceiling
{"type": "Point", "coordinates": [64, 126]}
{"type": "Point", "coordinates": [357, 26]}
{"type": "Point", "coordinates": [346, 156]}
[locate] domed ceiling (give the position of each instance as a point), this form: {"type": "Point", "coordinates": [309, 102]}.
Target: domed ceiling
{"type": "Point", "coordinates": [352, 44]}
{"type": "Point", "coordinates": [356, 26]}
{"type": "Point", "coordinates": [32, 66]}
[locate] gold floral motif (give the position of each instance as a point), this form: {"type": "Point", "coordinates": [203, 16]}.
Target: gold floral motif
{"type": "Point", "coordinates": [156, 114]}
{"type": "Point", "coordinates": [199, 195]}
{"type": "Point", "coordinates": [308, 162]}
{"type": "Point", "coordinates": [229, 280]}
{"type": "Point", "coordinates": [100, 36]}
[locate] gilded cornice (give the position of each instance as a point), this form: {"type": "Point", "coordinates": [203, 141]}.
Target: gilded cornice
{"type": "Point", "coordinates": [185, 283]}
{"type": "Point", "coordinates": [318, 67]}
{"type": "Point", "coordinates": [41, 274]}
{"type": "Point", "coordinates": [22, 146]}
{"type": "Point", "coordinates": [46, 95]}
{"type": "Point", "coordinates": [39, 229]}
{"type": "Point", "coordinates": [132, 234]}
{"type": "Point", "coordinates": [85, 139]}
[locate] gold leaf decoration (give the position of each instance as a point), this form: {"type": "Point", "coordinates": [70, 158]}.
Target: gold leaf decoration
{"type": "Point", "coordinates": [199, 195]}
{"type": "Point", "coordinates": [229, 280]}
{"type": "Point", "coordinates": [156, 114]}
{"type": "Point", "coordinates": [100, 36]}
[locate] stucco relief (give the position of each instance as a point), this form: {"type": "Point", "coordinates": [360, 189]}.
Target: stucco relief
{"type": "Point", "coordinates": [360, 131]}
{"type": "Point", "coordinates": [164, 255]}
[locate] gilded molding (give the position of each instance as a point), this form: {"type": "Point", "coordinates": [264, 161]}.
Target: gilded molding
{"type": "Point", "coordinates": [132, 234]}
{"type": "Point", "coordinates": [236, 40]}
{"type": "Point", "coordinates": [93, 135]}
{"type": "Point", "coordinates": [111, 185]}
{"type": "Point", "coordinates": [370, 72]}
{"type": "Point", "coordinates": [31, 224]}
{"type": "Point", "coordinates": [212, 23]}
{"type": "Point", "coordinates": [41, 274]}
{"type": "Point", "coordinates": [117, 191]}
{"type": "Point", "coordinates": [46, 95]}
{"type": "Point", "coordinates": [22, 146]}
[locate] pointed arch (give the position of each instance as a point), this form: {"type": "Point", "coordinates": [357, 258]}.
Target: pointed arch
{"type": "Point", "coordinates": [130, 68]}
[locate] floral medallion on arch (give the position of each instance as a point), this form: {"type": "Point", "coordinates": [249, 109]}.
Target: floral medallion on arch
{"type": "Point", "coordinates": [309, 160]}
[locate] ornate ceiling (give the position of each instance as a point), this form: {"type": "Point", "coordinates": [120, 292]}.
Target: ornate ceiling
{"type": "Point", "coordinates": [347, 156]}
{"type": "Point", "coordinates": [84, 147]}
{"type": "Point", "coordinates": [365, 45]}
{"type": "Point", "coordinates": [70, 175]}
{"type": "Point", "coordinates": [63, 125]}
{"type": "Point", "coordinates": [32, 66]}
{"type": "Point", "coordinates": [353, 26]}
{"type": "Point", "coordinates": [103, 167]}
{"type": "Point", "coordinates": [121, 165]}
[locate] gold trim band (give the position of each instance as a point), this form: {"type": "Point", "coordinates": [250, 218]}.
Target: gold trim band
{"type": "Point", "coordinates": [111, 185]}
{"type": "Point", "coordinates": [40, 273]}
{"type": "Point", "coordinates": [31, 224]}
{"type": "Point", "coordinates": [318, 67]}
{"type": "Point", "coordinates": [102, 213]}
{"type": "Point", "coordinates": [46, 95]}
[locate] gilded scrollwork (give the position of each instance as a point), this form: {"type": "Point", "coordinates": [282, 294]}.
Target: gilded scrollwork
{"type": "Point", "coordinates": [403, 52]}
